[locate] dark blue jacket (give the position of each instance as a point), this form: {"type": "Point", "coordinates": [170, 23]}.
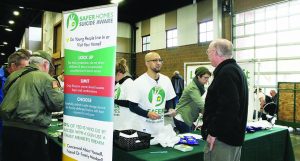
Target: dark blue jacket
{"type": "Point", "coordinates": [2, 81]}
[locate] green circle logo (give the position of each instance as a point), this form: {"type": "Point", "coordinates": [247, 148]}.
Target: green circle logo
{"type": "Point", "coordinates": [156, 96]}
{"type": "Point", "coordinates": [72, 22]}
{"type": "Point", "coordinates": [117, 93]}
{"type": "Point", "coordinates": [117, 96]}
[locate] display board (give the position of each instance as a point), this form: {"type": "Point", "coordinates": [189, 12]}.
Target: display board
{"type": "Point", "coordinates": [289, 104]}
{"type": "Point", "coordinates": [90, 36]}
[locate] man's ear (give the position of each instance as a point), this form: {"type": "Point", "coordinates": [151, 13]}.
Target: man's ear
{"type": "Point", "coordinates": [46, 65]}
{"type": "Point", "coordinates": [147, 64]}
{"type": "Point", "coordinates": [9, 69]}
{"type": "Point", "coordinates": [13, 66]}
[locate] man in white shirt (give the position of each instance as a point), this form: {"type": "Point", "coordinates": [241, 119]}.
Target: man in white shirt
{"type": "Point", "coordinates": [151, 93]}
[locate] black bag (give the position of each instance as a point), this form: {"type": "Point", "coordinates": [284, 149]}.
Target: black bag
{"type": "Point", "coordinates": [131, 144]}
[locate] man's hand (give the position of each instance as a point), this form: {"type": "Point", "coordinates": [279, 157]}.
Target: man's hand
{"type": "Point", "coordinates": [211, 142]}
{"type": "Point", "coordinates": [172, 112]}
{"type": "Point", "coordinates": [153, 115]}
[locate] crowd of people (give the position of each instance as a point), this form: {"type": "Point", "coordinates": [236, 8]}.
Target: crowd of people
{"type": "Point", "coordinates": [224, 109]}
{"type": "Point", "coordinates": [268, 104]}
{"type": "Point", "coordinates": [29, 94]}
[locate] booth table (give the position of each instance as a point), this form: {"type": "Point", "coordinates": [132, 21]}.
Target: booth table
{"type": "Point", "coordinates": [265, 145]}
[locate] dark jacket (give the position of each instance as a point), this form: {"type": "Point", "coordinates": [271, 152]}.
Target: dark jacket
{"type": "Point", "coordinates": [226, 104]}
{"type": "Point", "coordinates": [178, 83]}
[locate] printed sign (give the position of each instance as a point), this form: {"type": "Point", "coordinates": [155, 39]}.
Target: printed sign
{"type": "Point", "coordinates": [90, 52]}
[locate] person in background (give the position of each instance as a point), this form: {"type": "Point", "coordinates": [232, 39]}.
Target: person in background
{"type": "Point", "coordinates": [263, 100]}
{"type": "Point", "coordinates": [261, 97]}
{"type": "Point", "coordinates": [152, 92]}
{"type": "Point", "coordinates": [271, 106]}
{"type": "Point", "coordinates": [25, 51]}
{"type": "Point", "coordinates": [2, 81]}
{"type": "Point", "coordinates": [191, 103]}
{"type": "Point", "coordinates": [123, 117]}
{"type": "Point", "coordinates": [60, 79]}
{"type": "Point", "coordinates": [178, 85]}
{"type": "Point", "coordinates": [274, 96]}
{"type": "Point", "coordinates": [226, 105]}
{"type": "Point", "coordinates": [31, 94]}
{"type": "Point", "coordinates": [16, 61]}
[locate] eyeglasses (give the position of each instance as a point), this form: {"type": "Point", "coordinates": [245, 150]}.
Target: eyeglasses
{"type": "Point", "coordinates": [156, 60]}
{"type": "Point", "coordinates": [206, 78]}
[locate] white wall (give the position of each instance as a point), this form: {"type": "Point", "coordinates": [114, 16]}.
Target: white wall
{"type": "Point", "coordinates": [157, 32]}
{"type": "Point", "coordinates": [187, 25]}
{"type": "Point", "coordinates": [124, 30]}
{"type": "Point", "coordinates": [138, 37]}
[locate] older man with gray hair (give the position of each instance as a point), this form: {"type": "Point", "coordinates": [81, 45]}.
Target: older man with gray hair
{"type": "Point", "coordinates": [31, 94]}
{"type": "Point", "coordinates": [226, 105]}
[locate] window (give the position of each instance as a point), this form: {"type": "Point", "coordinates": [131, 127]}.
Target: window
{"type": "Point", "coordinates": [206, 31]}
{"type": "Point", "coordinates": [146, 43]}
{"type": "Point", "coordinates": [266, 39]}
{"type": "Point", "coordinates": [171, 38]}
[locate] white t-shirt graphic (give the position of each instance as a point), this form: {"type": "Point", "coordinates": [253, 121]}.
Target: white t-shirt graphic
{"type": "Point", "coordinates": [123, 117]}
{"type": "Point", "coordinates": [151, 95]}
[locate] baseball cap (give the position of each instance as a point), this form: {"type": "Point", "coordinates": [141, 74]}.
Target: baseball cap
{"type": "Point", "coordinates": [43, 54]}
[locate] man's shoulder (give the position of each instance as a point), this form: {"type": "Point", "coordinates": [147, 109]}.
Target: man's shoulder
{"type": "Point", "coordinates": [127, 82]}
{"type": "Point", "coordinates": [39, 75]}
{"type": "Point", "coordinates": [191, 86]}
{"type": "Point", "coordinates": [230, 69]}
{"type": "Point", "coordinates": [14, 75]}
{"type": "Point", "coordinates": [141, 77]}
{"type": "Point", "coordinates": [162, 76]}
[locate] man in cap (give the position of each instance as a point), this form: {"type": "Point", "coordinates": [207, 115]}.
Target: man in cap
{"type": "Point", "coordinates": [31, 94]}
{"type": "Point", "coordinates": [191, 102]}
{"type": "Point", "coordinates": [151, 94]}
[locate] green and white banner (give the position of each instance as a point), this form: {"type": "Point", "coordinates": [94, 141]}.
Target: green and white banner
{"type": "Point", "coordinates": [90, 37]}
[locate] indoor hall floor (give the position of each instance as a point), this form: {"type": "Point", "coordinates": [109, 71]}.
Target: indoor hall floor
{"type": "Point", "coordinates": [295, 138]}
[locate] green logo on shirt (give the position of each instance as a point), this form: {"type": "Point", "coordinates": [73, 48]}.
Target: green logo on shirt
{"type": "Point", "coordinates": [117, 93]}
{"type": "Point", "coordinates": [156, 96]}
{"type": "Point", "coordinates": [117, 96]}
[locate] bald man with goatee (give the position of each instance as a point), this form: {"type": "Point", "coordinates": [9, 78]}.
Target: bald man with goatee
{"type": "Point", "coordinates": [152, 92]}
